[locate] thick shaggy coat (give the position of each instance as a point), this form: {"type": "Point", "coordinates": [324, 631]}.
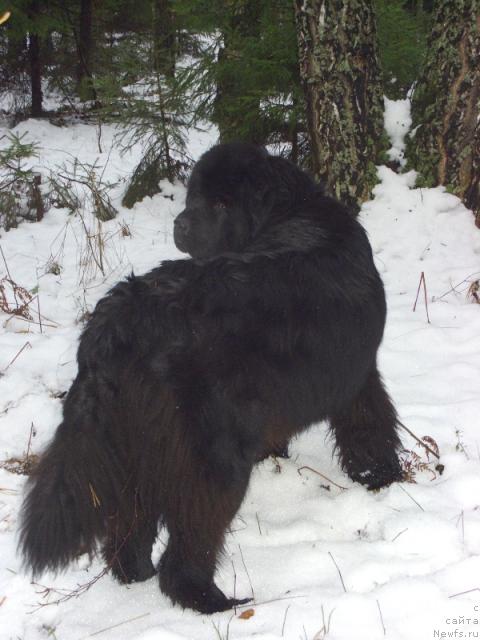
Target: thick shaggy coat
{"type": "Point", "coordinates": [191, 373]}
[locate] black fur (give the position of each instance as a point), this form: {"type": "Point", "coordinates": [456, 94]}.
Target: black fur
{"type": "Point", "coordinates": [191, 373]}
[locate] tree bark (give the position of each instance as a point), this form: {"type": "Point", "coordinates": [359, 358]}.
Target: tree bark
{"type": "Point", "coordinates": [341, 78]}
{"type": "Point", "coordinates": [85, 87]}
{"type": "Point", "coordinates": [35, 63]}
{"type": "Point", "coordinates": [445, 147]}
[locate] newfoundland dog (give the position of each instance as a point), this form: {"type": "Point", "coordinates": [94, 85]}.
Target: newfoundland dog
{"type": "Point", "coordinates": [190, 374]}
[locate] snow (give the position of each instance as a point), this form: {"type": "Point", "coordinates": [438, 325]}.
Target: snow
{"type": "Point", "coordinates": [321, 561]}
{"type": "Point", "coordinates": [397, 120]}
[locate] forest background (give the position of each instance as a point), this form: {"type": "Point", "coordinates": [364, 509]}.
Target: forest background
{"type": "Point", "coordinates": [306, 76]}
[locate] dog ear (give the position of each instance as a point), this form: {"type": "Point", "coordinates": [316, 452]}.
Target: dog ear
{"type": "Point", "coordinates": [277, 187]}
{"type": "Point", "coordinates": [260, 184]}
{"type": "Point", "coordinates": [292, 184]}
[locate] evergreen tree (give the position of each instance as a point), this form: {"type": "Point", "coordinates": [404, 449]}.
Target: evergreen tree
{"type": "Point", "coordinates": [402, 41]}
{"type": "Point", "coordinates": [147, 102]}
{"type": "Point", "coordinates": [164, 37]}
{"type": "Point", "coordinates": [84, 47]}
{"type": "Point", "coordinates": [343, 93]}
{"type": "Point", "coordinates": [33, 44]}
{"type": "Point", "coordinates": [445, 147]}
{"type": "Point", "coordinates": [246, 67]}
{"type": "Point", "coordinates": [23, 38]}
{"type": "Point", "coordinates": [241, 23]}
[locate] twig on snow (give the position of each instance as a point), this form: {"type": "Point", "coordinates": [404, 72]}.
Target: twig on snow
{"type": "Point", "coordinates": [463, 593]}
{"type": "Point", "coordinates": [339, 572]}
{"type": "Point", "coordinates": [285, 620]}
{"type": "Point", "coordinates": [246, 571]}
{"type": "Point", "coordinates": [381, 618]}
{"type": "Point", "coordinates": [429, 449]}
{"type": "Point", "coordinates": [300, 469]}
{"type": "Point", "coordinates": [411, 497]}
{"type": "Point", "coordinates": [27, 344]}
{"type": "Point", "coordinates": [422, 281]}
{"type": "Point", "coordinates": [114, 626]}
{"type": "Point", "coordinates": [248, 605]}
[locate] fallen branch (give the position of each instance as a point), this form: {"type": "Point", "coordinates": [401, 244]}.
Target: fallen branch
{"type": "Point", "coordinates": [429, 449]}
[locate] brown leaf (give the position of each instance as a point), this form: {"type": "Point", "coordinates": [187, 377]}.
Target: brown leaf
{"type": "Point", "coordinates": [247, 614]}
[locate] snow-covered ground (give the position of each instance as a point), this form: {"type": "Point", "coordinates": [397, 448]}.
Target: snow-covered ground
{"type": "Point", "coordinates": [320, 560]}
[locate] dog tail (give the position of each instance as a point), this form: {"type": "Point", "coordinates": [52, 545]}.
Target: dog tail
{"type": "Point", "coordinates": [69, 497]}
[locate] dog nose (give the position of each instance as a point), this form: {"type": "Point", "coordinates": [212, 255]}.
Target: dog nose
{"type": "Point", "coordinates": [181, 231]}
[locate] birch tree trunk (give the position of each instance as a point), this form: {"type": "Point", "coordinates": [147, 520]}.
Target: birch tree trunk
{"type": "Point", "coordinates": [341, 77]}
{"type": "Point", "coordinates": [445, 147]}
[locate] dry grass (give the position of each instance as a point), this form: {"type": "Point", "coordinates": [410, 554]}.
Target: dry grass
{"type": "Point", "coordinates": [14, 299]}
{"type": "Point", "coordinates": [414, 462]}
{"type": "Point", "coordinates": [25, 464]}
{"type": "Point", "coordinates": [473, 292]}
{"type": "Point", "coordinates": [21, 466]}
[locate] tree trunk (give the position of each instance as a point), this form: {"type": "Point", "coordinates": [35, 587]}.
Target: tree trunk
{"type": "Point", "coordinates": [344, 98]}
{"type": "Point", "coordinates": [164, 53]}
{"type": "Point", "coordinates": [35, 74]}
{"type": "Point", "coordinates": [445, 148]}
{"type": "Point", "coordinates": [85, 87]}
{"type": "Point", "coordinates": [35, 63]}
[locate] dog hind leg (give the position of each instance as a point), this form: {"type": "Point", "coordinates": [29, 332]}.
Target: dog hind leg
{"type": "Point", "coordinates": [366, 436]}
{"type": "Point", "coordinates": [128, 546]}
{"type": "Point", "coordinates": [204, 496]}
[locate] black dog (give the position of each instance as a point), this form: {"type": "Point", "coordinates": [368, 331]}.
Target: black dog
{"type": "Point", "coordinates": [190, 374]}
